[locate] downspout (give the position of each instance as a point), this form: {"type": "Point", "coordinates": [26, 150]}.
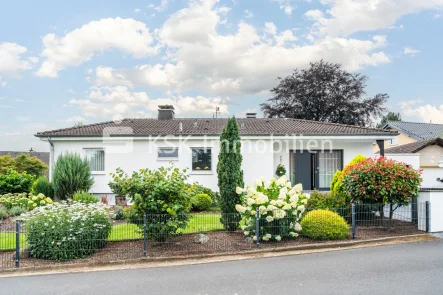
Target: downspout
{"type": "Point", "coordinates": [51, 158]}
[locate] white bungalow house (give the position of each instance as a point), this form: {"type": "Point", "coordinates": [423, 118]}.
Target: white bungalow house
{"type": "Point", "coordinates": [311, 151]}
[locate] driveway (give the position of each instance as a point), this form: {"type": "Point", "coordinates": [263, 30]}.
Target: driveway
{"type": "Point", "coordinates": [414, 268]}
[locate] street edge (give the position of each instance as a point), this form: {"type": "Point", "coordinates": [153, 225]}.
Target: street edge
{"type": "Point", "coordinates": [149, 262]}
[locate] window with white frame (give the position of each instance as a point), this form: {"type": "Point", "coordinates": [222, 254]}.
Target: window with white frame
{"type": "Point", "coordinates": [393, 141]}
{"type": "Point", "coordinates": [201, 159]}
{"type": "Point", "coordinates": [167, 153]}
{"type": "Point", "coordinates": [96, 158]}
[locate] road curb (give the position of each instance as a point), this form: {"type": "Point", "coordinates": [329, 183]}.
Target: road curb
{"type": "Point", "coordinates": [213, 257]}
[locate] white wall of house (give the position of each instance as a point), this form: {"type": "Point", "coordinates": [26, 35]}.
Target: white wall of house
{"type": "Point", "coordinates": [429, 175]}
{"type": "Point", "coordinates": [260, 155]}
{"type": "Point", "coordinates": [436, 207]}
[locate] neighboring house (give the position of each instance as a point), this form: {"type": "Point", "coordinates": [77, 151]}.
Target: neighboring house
{"type": "Point", "coordinates": [426, 155]}
{"type": "Point", "coordinates": [410, 132]}
{"type": "Point", "coordinates": [132, 144]}
{"type": "Point", "coordinates": [43, 156]}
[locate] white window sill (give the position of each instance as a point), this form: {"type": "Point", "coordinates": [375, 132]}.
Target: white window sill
{"type": "Point", "coordinates": [167, 159]}
{"type": "Point", "coordinates": [98, 173]}
{"type": "Point", "coordinates": [201, 172]}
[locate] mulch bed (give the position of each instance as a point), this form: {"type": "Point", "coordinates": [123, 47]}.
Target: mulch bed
{"type": "Point", "coordinates": [219, 242]}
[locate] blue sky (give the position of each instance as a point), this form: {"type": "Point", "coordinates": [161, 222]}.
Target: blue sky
{"type": "Point", "coordinates": [90, 61]}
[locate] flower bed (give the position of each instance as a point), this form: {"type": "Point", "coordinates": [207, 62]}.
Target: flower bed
{"type": "Point", "coordinates": [67, 231]}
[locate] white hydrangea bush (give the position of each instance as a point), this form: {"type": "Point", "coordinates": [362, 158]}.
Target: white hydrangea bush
{"type": "Point", "coordinates": [280, 207]}
{"type": "Point", "coordinates": [63, 230]}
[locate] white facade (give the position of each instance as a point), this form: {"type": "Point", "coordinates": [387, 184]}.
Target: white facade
{"type": "Point", "coordinates": [261, 154]}
{"type": "Point", "coordinates": [435, 199]}
{"type": "Point", "coordinates": [429, 174]}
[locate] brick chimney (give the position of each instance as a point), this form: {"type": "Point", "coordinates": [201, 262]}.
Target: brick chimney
{"type": "Point", "coordinates": [166, 112]}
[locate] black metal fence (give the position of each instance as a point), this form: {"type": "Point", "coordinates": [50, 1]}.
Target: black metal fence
{"type": "Point", "coordinates": [158, 235]}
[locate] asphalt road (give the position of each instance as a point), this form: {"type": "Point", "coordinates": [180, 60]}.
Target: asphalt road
{"type": "Point", "coordinates": [415, 268]}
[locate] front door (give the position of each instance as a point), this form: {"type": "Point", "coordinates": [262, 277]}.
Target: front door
{"type": "Point", "coordinates": [315, 169]}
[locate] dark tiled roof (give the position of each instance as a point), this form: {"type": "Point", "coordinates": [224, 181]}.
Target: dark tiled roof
{"type": "Point", "coordinates": [43, 156]}
{"type": "Point", "coordinates": [201, 126]}
{"type": "Point", "coordinates": [418, 131]}
{"type": "Point", "coordinates": [414, 147]}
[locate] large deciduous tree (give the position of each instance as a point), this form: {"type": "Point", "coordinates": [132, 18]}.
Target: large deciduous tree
{"type": "Point", "coordinates": [230, 174]}
{"type": "Point", "coordinates": [325, 92]}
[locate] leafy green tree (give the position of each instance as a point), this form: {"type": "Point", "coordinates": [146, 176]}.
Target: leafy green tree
{"type": "Point", "coordinates": [23, 163]}
{"type": "Point", "coordinates": [6, 163]}
{"type": "Point", "coordinates": [391, 116]}
{"type": "Point", "coordinates": [32, 165]}
{"type": "Point", "coordinates": [325, 92]}
{"type": "Point", "coordinates": [71, 174]}
{"type": "Point", "coordinates": [230, 174]}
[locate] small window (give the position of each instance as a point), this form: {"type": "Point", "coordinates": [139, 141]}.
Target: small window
{"type": "Point", "coordinates": [201, 159]}
{"type": "Point", "coordinates": [96, 159]}
{"type": "Point", "coordinates": [166, 153]}
{"type": "Point", "coordinates": [394, 141]}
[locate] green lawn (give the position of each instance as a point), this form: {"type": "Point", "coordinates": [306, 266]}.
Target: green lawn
{"type": "Point", "coordinates": [7, 241]}
{"type": "Point", "coordinates": [126, 231]}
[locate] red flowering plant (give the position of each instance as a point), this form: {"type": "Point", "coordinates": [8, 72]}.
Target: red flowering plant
{"type": "Point", "coordinates": [382, 181]}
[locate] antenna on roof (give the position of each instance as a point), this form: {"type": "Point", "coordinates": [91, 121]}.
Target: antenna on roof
{"type": "Point", "coordinates": [217, 110]}
{"type": "Point", "coordinates": [195, 124]}
{"type": "Point", "coordinates": [180, 126]}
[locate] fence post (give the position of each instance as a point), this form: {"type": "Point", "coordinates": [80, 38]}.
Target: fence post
{"type": "Point", "coordinates": [353, 221]}
{"type": "Point", "coordinates": [145, 238]}
{"type": "Point", "coordinates": [427, 216]}
{"type": "Point", "coordinates": [17, 243]}
{"type": "Point", "coordinates": [257, 227]}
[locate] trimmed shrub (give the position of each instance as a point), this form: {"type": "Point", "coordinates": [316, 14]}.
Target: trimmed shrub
{"type": "Point", "coordinates": [163, 194]}
{"type": "Point", "coordinates": [280, 205]}
{"type": "Point", "coordinates": [195, 189]}
{"type": "Point", "coordinates": [336, 183]}
{"type": "Point", "coordinates": [324, 225]}
{"type": "Point", "coordinates": [201, 202]}
{"type": "Point", "coordinates": [85, 197]}
{"type": "Point", "coordinates": [24, 200]}
{"type": "Point", "coordinates": [71, 174]}
{"type": "Point", "coordinates": [3, 213]}
{"type": "Point", "coordinates": [14, 182]}
{"type": "Point", "coordinates": [67, 231]}
{"type": "Point", "coordinates": [327, 200]}
{"type": "Point", "coordinates": [17, 210]}
{"type": "Point", "coordinates": [43, 186]}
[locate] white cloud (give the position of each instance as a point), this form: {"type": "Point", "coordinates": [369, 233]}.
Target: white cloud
{"type": "Point", "coordinates": [410, 51]}
{"type": "Point", "coordinates": [73, 119]}
{"type": "Point", "coordinates": [21, 137]}
{"type": "Point", "coordinates": [12, 60]}
{"type": "Point", "coordinates": [71, 91]}
{"type": "Point", "coordinates": [80, 45]}
{"type": "Point", "coordinates": [137, 10]}
{"type": "Point", "coordinates": [20, 100]}
{"type": "Point", "coordinates": [118, 102]}
{"type": "Point", "coordinates": [2, 83]}
{"type": "Point", "coordinates": [200, 58]}
{"type": "Point", "coordinates": [2, 106]}
{"type": "Point", "coordinates": [425, 112]}
{"type": "Point", "coordinates": [286, 6]}
{"type": "Point", "coordinates": [248, 14]}
{"type": "Point", "coordinates": [161, 7]}
{"type": "Point", "coordinates": [345, 17]}
{"type": "Point", "coordinates": [23, 118]}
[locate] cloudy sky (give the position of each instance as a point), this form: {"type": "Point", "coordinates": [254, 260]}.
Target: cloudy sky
{"type": "Point", "coordinates": [63, 62]}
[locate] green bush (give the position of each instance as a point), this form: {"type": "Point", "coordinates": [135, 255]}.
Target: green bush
{"type": "Point", "coordinates": [23, 163]}
{"type": "Point", "coordinates": [382, 181]}
{"type": "Point", "coordinates": [14, 182]}
{"type": "Point", "coordinates": [328, 200]}
{"type": "Point", "coordinates": [324, 225]}
{"type": "Point", "coordinates": [85, 197]}
{"type": "Point", "coordinates": [24, 200]}
{"type": "Point", "coordinates": [43, 186]}
{"type": "Point", "coordinates": [71, 174]}
{"type": "Point", "coordinates": [163, 194]}
{"type": "Point", "coordinates": [195, 189]}
{"type": "Point", "coordinates": [17, 210]}
{"type": "Point", "coordinates": [119, 213]}
{"type": "Point", "coordinates": [201, 202]}
{"type": "Point", "coordinates": [3, 213]}
{"type": "Point", "coordinates": [67, 231]}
